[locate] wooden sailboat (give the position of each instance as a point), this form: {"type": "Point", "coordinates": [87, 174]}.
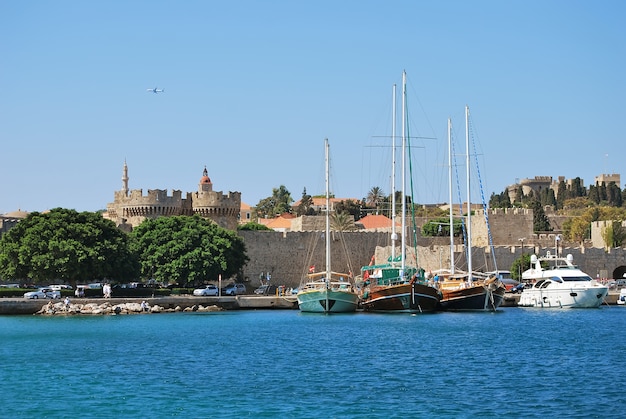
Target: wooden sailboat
{"type": "Point", "coordinates": [328, 291]}
{"type": "Point", "coordinates": [467, 293]}
{"type": "Point", "coordinates": [394, 286]}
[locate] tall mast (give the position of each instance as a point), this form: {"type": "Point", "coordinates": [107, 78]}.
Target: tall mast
{"type": "Point", "coordinates": [403, 171]}
{"type": "Point", "coordinates": [450, 195]}
{"type": "Point", "coordinates": [328, 270]}
{"type": "Point", "coordinates": [469, 197]}
{"type": "Point", "coordinates": [394, 235]}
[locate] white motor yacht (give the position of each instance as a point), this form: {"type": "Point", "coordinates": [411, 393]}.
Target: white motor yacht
{"type": "Point", "coordinates": [558, 283]}
{"type": "Point", "coordinates": [621, 300]}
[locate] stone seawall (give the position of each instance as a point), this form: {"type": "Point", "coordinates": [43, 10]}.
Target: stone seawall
{"type": "Point", "coordinates": [287, 256]}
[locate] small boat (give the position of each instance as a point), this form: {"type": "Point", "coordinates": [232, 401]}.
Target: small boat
{"type": "Point", "coordinates": [467, 292]}
{"type": "Point", "coordinates": [328, 291]}
{"type": "Point", "coordinates": [560, 284]}
{"type": "Point", "coordinates": [395, 287]}
{"type": "Point", "coordinates": [621, 299]}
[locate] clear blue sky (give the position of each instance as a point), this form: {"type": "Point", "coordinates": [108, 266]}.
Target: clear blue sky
{"type": "Point", "coordinates": [252, 89]}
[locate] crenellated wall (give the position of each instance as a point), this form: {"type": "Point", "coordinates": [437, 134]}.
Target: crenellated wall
{"type": "Point", "coordinates": [131, 207]}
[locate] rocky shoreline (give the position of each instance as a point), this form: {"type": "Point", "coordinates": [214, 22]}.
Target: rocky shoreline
{"type": "Point", "coordinates": [17, 306]}
{"type": "Point", "coordinates": [107, 308]}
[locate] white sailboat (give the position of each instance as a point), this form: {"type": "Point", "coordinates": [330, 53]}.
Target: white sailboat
{"type": "Point", "coordinates": [327, 291]}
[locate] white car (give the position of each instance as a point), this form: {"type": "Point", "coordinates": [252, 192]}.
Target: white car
{"type": "Point", "coordinates": [234, 289]}
{"type": "Point", "coordinates": [43, 293]}
{"type": "Point", "coordinates": [208, 290]}
{"type": "Point", "coordinates": [60, 287]}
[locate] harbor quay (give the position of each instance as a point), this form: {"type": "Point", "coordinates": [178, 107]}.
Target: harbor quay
{"type": "Point", "coordinates": [21, 306]}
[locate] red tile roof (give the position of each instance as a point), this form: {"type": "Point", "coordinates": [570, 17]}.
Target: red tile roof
{"type": "Point", "coordinates": [375, 221]}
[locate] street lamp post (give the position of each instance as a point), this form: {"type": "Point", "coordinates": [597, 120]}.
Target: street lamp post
{"type": "Point", "coordinates": [521, 262]}
{"type": "Point", "coordinates": [556, 245]}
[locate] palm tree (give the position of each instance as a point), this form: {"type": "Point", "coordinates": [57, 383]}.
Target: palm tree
{"type": "Point", "coordinates": [374, 197]}
{"type": "Point", "coordinates": [342, 221]}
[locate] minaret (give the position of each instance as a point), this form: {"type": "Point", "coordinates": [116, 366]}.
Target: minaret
{"type": "Point", "coordinates": [125, 179]}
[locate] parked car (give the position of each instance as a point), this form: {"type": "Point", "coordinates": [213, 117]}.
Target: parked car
{"type": "Point", "coordinates": [234, 289]}
{"type": "Point", "coordinates": [266, 290]}
{"type": "Point", "coordinates": [43, 293]}
{"type": "Point", "coordinates": [60, 287]}
{"type": "Point", "coordinates": [208, 290]}
{"type": "Point", "coordinates": [518, 288]}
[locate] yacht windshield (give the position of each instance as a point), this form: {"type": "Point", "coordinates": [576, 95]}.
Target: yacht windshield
{"type": "Point", "coordinates": [577, 278]}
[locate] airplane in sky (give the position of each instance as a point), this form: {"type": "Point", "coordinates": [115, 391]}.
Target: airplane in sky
{"type": "Point", "coordinates": [156, 90]}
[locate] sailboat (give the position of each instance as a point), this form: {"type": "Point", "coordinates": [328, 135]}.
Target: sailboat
{"type": "Point", "coordinates": [467, 293]}
{"type": "Point", "coordinates": [328, 291]}
{"type": "Point", "coordinates": [395, 287]}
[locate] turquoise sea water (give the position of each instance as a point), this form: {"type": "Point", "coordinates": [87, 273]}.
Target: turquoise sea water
{"type": "Point", "coordinates": [286, 364]}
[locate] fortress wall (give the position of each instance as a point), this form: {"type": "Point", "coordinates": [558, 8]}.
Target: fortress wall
{"type": "Point", "coordinates": [286, 255]}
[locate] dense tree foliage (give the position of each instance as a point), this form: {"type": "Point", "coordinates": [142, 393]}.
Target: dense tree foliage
{"type": "Point", "coordinates": [272, 206]}
{"type": "Point", "coordinates": [305, 207]}
{"type": "Point", "coordinates": [578, 228]}
{"type": "Point", "coordinates": [349, 207]}
{"type": "Point", "coordinates": [68, 246]}
{"type": "Point", "coordinates": [500, 200]}
{"type": "Point", "coordinates": [540, 219]}
{"type": "Point", "coordinates": [614, 234]}
{"type": "Point", "coordinates": [441, 227]}
{"type": "Point", "coordinates": [375, 197]}
{"type": "Point", "coordinates": [187, 250]}
{"type": "Point", "coordinates": [253, 226]}
{"type": "Point", "coordinates": [519, 265]}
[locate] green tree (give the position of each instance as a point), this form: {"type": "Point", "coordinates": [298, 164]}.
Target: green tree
{"type": "Point", "coordinates": [66, 245]}
{"type": "Point", "coordinates": [253, 226]}
{"type": "Point", "coordinates": [350, 207]}
{"type": "Point", "coordinates": [187, 250]}
{"type": "Point", "coordinates": [306, 204]}
{"type": "Point", "coordinates": [577, 188]}
{"type": "Point", "coordinates": [441, 227]}
{"type": "Point", "coordinates": [519, 265]}
{"type": "Point", "coordinates": [594, 195]}
{"type": "Point", "coordinates": [614, 195]}
{"type": "Point", "coordinates": [500, 200]}
{"type": "Point", "coordinates": [342, 221]}
{"type": "Point", "coordinates": [278, 203]}
{"type": "Point", "coordinates": [375, 197]}
{"type": "Point", "coordinates": [540, 219]}
{"type": "Point", "coordinates": [561, 195]}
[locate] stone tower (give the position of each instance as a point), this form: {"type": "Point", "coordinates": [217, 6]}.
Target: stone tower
{"type": "Point", "coordinates": [130, 207]}
{"type": "Point", "coordinates": [223, 209]}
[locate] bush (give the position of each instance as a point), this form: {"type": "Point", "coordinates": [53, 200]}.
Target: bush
{"type": "Point", "coordinates": [182, 291]}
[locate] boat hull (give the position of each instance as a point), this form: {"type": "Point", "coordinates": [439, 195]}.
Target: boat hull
{"type": "Point", "coordinates": [402, 298]}
{"type": "Point", "coordinates": [472, 298]}
{"type": "Point", "coordinates": [563, 298]}
{"type": "Point", "coordinates": [327, 301]}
